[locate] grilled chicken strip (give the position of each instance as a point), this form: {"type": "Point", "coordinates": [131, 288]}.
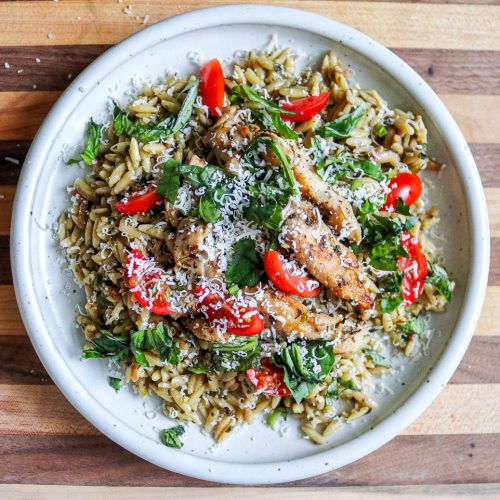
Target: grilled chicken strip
{"type": "Point", "coordinates": [189, 254]}
{"type": "Point", "coordinates": [290, 318]}
{"type": "Point", "coordinates": [336, 210]}
{"type": "Point", "coordinates": [326, 259]}
{"type": "Point", "coordinates": [229, 137]}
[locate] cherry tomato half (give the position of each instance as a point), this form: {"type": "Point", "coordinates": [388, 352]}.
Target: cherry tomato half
{"type": "Point", "coordinates": [147, 284]}
{"type": "Point", "coordinates": [288, 277]}
{"type": "Point", "coordinates": [139, 203]}
{"type": "Point", "coordinates": [212, 86]}
{"type": "Point", "coordinates": [269, 378]}
{"type": "Point", "coordinates": [406, 186]}
{"type": "Point", "coordinates": [243, 321]}
{"type": "Point", "coordinates": [306, 107]}
{"type": "Point", "coordinates": [414, 268]}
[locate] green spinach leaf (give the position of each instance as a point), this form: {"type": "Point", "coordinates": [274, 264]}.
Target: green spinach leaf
{"type": "Point", "coordinates": [151, 339]}
{"type": "Point", "coordinates": [415, 327]}
{"type": "Point", "coordinates": [115, 383]}
{"type": "Point", "coordinates": [93, 146]}
{"type": "Point", "coordinates": [246, 265]}
{"type": "Point", "coordinates": [239, 354]}
{"type": "Point", "coordinates": [107, 345]}
{"type": "Point", "coordinates": [440, 281]}
{"type": "Point", "coordinates": [342, 127]}
{"type": "Point", "coordinates": [377, 358]}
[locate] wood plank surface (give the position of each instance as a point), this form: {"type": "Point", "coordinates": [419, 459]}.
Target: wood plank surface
{"type": "Point", "coordinates": [47, 450]}
{"type": "Point", "coordinates": [466, 27]}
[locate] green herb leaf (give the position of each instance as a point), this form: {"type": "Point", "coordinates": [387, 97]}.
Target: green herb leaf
{"type": "Point", "coordinates": [276, 414]}
{"type": "Point", "coordinates": [275, 123]}
{"type": "Point", "coordinates": [107, 346]}
{"type": "Point", "coordinates": [123, 125]}
{"type": "Point", "coordinates": [440, 281]}
{"type": "Point", "coordinates": [305, 364]}
{"type": "Point", "coordinates": [377, 358]}
{"type": "Point", "coordinates": [246, 265]}
{"type": "Point", "coordinates": [266, 206]}
{"type": "Point", "coordinates": [334, 168]}
{"type": "Point", "coordinates": [170, 437]}
{"type": "Point", "coordinates": [93, 146]}
{"type": "Point", "coordinates": [332, 393]}
{"type": "Point", "coordinates": [209, 207]}
{"type": "Point", "coordinates": [380, 131]}
{"type": "Point", "coordinates": [115, 383]}
{"type": "Point", "coordinates": [198, 368]}
{"type": "Point", "coordinates": [415, 326]}
{"type": "Point", "coordinates": [402, 208]}
{"type": "Point", "coordinates": [239, 354]}
{"type": "Point", "coordinates": [151, 339]}
{"type": "Point", "coordinates": [348, 384]}
{"type": "Point", "coordinates": [342, 127]}
{"type": "Point", "coordinates": [389, 304]}
{"type": "Point", "coordinates": [170, 181]}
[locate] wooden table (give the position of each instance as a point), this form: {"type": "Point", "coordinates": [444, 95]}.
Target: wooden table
{"type": "Point", "coordinates": [44, 44]}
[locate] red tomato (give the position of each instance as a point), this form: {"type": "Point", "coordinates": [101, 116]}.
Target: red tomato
{"type": "Point", "coordinates": [269, 378]}
{"type": "Point", "coordinates": [139, 203]}
{"type": "Point", "coordinates": [147, 284]}
{"type": "Point", "coordinates": [406, 186]}
{"type": "Point", "coordinates": [414, 268]}
{"type": "Point", "coordinates": [243, 321]}
{"type": "Point", "coordinates": [288, 277]}
{"type": "Point", "coordinates": [212, 86]}
{"type": "Point", "coordinates": [306, 107]}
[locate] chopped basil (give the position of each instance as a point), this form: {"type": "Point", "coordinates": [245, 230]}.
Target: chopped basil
{"type": "Point", "coordinates": [93, 148]}
{"type": "Point", "coordinates": [342, 127]}
{"type": "Point", "coordinates": [246, 265]}
{"type": "Point", "coordinates": [239, 354]}
{"type": "Point", "coordinates": [305, 364]}
{"type": "Point", "coordinates": [152, 339]}
{"type": "Point", "coordinates": [415, 326]}
{"type": "Point", "coordinates": [389, 304]}
{"type": "Point", "coordinates": [115, 383]}
{"type": "Point", "coordinates": [440, 281]}
{"type": "Point", "coordinates": [339, 167]}
{"type": "Point", "coordinates": [377, 359]}
{"type": "Point", "coordinates": [198, 368]}
{"type": "Point", "coordinates": [107, 346]}
{"type": "Point", "coordinates": [171, 437]}
{"type": "Point", "coordinates": [402, 208]}
{"type": "Point", "coordinates": [210, 177]}
{"type": "Point", "coordinates": [276, 414]}
{"type": "Point", "coordinates": [332, 393]}
{"type": "Point", "coordinates": [348, 384]}
{"type": "Point", "coordinates": [269, 115]}
{"type": "Point", "coordinates": [266, 206]}
{"type": "Point", "coordinates": [380, 131]}
{"type": "Point", "coordinates": [233, 289]}
{"type": "Point", "coordinates": [123, 125]}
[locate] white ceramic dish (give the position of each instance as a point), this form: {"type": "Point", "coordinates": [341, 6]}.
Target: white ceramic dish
{"type": "Point", "coordinates": [255, 454]}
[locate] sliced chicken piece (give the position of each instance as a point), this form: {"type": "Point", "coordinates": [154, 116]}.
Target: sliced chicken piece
{"type": "Point", "coordinates": [204, 330]}
{"type": "Point", "coordinates": [229, 137]}
{"type": "Point", "coordinates": [326, 259]}
{"type": "Point", "coordinates": [288, 317]}
{"type": "Point", "coordinates": [173, 214]}
{"type": "Point", "coordinates": [190, 247]}
{"type": "Point", "coordinates": [336, 210]}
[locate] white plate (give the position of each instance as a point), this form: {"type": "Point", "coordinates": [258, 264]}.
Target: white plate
{"type": "Point", "coordinates": [255, 454]}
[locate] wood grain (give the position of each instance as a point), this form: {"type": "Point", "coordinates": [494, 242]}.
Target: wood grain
{"type": "Point", "coordinates": [443, 492]}
{"type": "Point", "coordinates": [54, 67]}
{"type": "Point", "coordinates": [23, 113]}
{"type": "Point", "coordinates": [95, 460]}
{"type": "Point", "coordinates": [405, 25]}
{"type": "Point", "coordinates": [42, 410]}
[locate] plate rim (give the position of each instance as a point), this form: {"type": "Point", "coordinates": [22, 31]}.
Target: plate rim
{"type": "Point", "coordinates": [413, 406]}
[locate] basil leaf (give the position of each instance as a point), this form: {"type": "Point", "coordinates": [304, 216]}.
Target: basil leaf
{"type": "Point", "coordinates": [305, 364]}
{"type": "Point", "coordinates": [123, 125]}
{"type": "Point", "coordinates": [277, 413]}
{"type": "Point", "coordinates": [198, 369]}
{"type": "Point", "coordinates": [275, 123]}
{"type": "Point", "coordinates": [246, 265]}
{"type": "Point", "coordinates": [115, 383]}
{"type": "Point", "coordinates": [377, 358]}
{"type": "Point", "coordinates": [170, 181]}
{"type": "Point", "coordinates": [170, 437]}
{"type": "Point", "coordinates": [266, 207]}
{"type": "Point", "coordinates": [151, 339]}
{"type": "Point", "coordinates": [208, 207]}
{"type": "Point", "coordinates": [342, 127]}
{"type": "Point", "coordinates": [440, 281]}
{"type": "Point", "coordinates": [415, 326]}
{"type": "Point", "coordinates": [245, 92]}
{"type": "Point", "coordinates": [389, 304]}
{"type": "Point", "coordinates": [332, 393]}
{"type": "Point", "coordinates": [401, 207]}
{"type": "Point", "coordinates": [348, 384]}
{"type": "Point", "coordinates": [239, 354]}
{"type": "Point", "coordinates": [380, 131]}
{"type": "Point", "coordinates": [93, 148]}
{"type": "Point", "coordinates": [107, 346]}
